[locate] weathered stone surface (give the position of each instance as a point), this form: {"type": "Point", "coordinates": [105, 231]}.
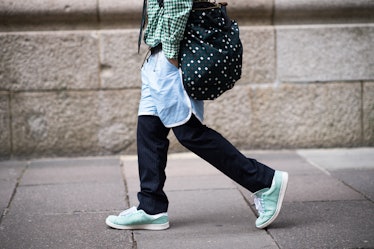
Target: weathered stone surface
{"type": "Point", "coordinates": [289, 115]}
{"type": "Point", "coordinates": [368, 113]}
{"type": "Point", "coordinates": [120, 61]}
{"type": "Point", "coordinates": [106, 11]}
{"type": "Point", "coordinates": [74, 123]}
{"type": "Point", "coordinates": [127, 13]}
{"type": "Point", "coordinates": [10, 172]}
{"type": "Point", "coordinates": [231, 115]}
{"type": "Point", "coordinates": [5, 132]}
{"type": "Point", "coordinates": [304, 116]}
{"type": "Point", "coordinates": [45, 10]}
{"type": "Point", "coordinates": [358, 179]}
{"type": "Point", "coordinates": [256, 12]}
{"type": "Point", "coordinates": [321, 11]}
{"type": "Point", "coordinates": [49, 60]}
{"type": "Point", "coordinates": [67, 230]}
{"type": "Point", "coordinates": [323, 225]}
{"type": "Point", "coordinates": [117, 10]}
{"type": "Point", "coordinates": [325, 53]}
{"type": "Point", "coordinates": [262, 111]}
{"type": "Point", "coordinates": [258, 55]}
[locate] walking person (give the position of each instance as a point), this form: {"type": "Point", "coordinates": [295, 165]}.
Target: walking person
{"type": "Point", "coordinates": [165, 106]}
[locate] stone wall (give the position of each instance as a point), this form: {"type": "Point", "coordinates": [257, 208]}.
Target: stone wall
{"type": "Point", "coordinates": [70, 83]}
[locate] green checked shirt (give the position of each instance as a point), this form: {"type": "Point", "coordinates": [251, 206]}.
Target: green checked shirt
{"type": "Point", "coordinates": [166, 25]}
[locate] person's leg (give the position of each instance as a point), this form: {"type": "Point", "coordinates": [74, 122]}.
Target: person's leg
{"type": "Point", "coordinates": [152, 156]}
{"type": "Point", "coordinates": [269, 185]}
{"type": "Point", "coordinates": [152, 146]}
{"type": "Point", "coordinates": [215, 149]}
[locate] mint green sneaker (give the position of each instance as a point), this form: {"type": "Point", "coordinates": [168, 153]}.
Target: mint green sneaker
{"type": "Point", "coordinates": [269, 201]}
{"type": "Point", "coordinates": [138, 219]}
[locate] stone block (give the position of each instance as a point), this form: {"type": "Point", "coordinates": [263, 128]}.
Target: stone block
{"type": "Point", "coordinates": [284, 160]}
{"type": "Point", "coordinates": [49, 60]}
{"type": "Point", "coordinates": [254, 12]}
{"type": "Point", "coordinates": [231, 115]}
{"type": "Point", "coordinates": [74, 123]}
{"type": "Point", "coordinates": [6, 192]}
{"type": "Point", "coordinates": [306, 115]}
{"type": "Point", "coordinates": [5, 132]}
{"type": "Point", "coordinates": [120, 61]}
{"type": "Point", "coordinates": [320, 11]}
{"type": "Point", "coordinates": [368, 113]}
{"type": "Point", "coordinates": [45, 10]}
{"type": "Point", "coordinates": [10, 172]}
{"type": "Point", "coordinates": [182, 176]}
{"type": "Point", "coordinates": [340, 158]}
{"type": "Point", "coordinates": [258, 55]}
{"type": "Point", "coordinates": [289, 115]}
{"type": "Point", "coordinates": [74, 231]}
{"type": "Point", "coordinates": [174, 145]}
{"type": "Point", "coordinates": [358, 179]}
{"type": "Point", "coordinates": [72, 171]}
{"type": "Point", "coordinates": [116, 10]}
{"type": "Point", "coordinates": [319, 187]}
{"type": "Point", "coordinates": [325, 53]}
{"type": "Point", "coordinates": [68, 198]}
{"type": "Point", "coordinates": [324, 225]}
{"type": "Point", "coordinates": [201, 226]}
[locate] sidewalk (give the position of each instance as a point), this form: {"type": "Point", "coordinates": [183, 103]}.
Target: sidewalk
{"type": "Point", "coordinates": [63, 202]}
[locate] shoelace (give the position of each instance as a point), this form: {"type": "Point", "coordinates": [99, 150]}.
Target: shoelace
{"type": "Point", "coordinates": [259, 204]}
{"type": "Point", "coordinates": [128, 211]}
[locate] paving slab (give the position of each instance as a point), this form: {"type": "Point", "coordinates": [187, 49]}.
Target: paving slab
{"type": "Point", "coordinates": [285, 160]}
{"type": "Point", "coordinates": [335, 224]}
{"type": "Point", "coordinates": [75, 170]}
{"type": "Point", "coordinates": [306, 182]}
{"type": "Point", "coordinates": [10, 172]}
{"type": "Point", "coordinates": [354, 167]}
{"type": "Point", "coordinates": [226, 240]}
{"type": "Point", "coordinates": [68, 186]}
{"type": "Point", "coordinates": [183, 164]}
{"type": "Point", "coordinates": [308, 188]}
{"type": "Point", "coordinates": [6, 193]}
{"type": "Point", "coordinates": [204, 206]}
{"type": "Point", "coordinates": [360, 180]}
{"type": "Point", "coordinates": [207, 219]}
{"type": "Point", "coordinates": [338, 159]}
{"type": "Point", "coordinates": [318, 188]}
{"type": "Point", "coordinates": [184, 172]}
{"type": "Point", "coordinates": [63, 203]}
{"type": "Point", "coordinates": [68, 198]}
{"type": "Point", "coordinates": [61, 231]}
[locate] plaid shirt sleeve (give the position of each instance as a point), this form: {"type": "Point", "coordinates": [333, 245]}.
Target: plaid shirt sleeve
{"type": "Point", "coordinates": [175, 19]}
{"type": "Point", "coordinates": [167, 25]}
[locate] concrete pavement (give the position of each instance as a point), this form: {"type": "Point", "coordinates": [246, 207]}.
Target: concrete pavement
{"type": "Point", "coordinates": [63, 202]}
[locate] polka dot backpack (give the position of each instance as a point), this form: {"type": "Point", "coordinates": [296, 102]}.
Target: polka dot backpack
{"type": "Point", "coordinates": [210, 52]}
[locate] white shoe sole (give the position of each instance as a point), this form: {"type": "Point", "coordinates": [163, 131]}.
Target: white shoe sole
{"type": "Point", "coordinates": [282, 193]}
{"type": "Point", "coordinates": [139, 227]}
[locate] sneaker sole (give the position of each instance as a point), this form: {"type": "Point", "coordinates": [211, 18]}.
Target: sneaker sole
{"type": "Point", "coordinates": [282, 193]}
{"type": "Point", "coordinates": [139, 227]}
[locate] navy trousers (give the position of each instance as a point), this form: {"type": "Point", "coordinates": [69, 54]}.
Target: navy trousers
{"type": "Point", "coordinates": [208, 144]}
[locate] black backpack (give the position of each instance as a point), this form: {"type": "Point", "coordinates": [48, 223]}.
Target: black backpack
{"type": "Point", "coordinates": [210, 51]}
